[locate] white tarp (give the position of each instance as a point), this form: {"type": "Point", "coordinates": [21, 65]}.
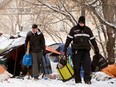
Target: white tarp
{"type": "Point", "coordinates": [6, 42]}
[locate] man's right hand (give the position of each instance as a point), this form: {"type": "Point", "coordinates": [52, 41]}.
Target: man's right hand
{"type": "Point", "coordinates": [27, 53]}
{"type": "Point", "coordinates": [63, 53]}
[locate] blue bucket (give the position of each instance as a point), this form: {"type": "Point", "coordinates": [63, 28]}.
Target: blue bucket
{"type": "Point", "coordinates": [27, 60]}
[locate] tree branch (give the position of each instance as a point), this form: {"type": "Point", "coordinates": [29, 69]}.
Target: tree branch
{"type": "Point", "coordinates": [59, 11]}
{"type": "Point", "coordinates": [101, 19]}
{"type": "Point", "coordinates": [91, 3]}
{"type": "Point", "coordinates": [69, 12]}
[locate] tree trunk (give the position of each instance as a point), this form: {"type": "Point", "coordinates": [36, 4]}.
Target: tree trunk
{"type": "Point", "coordinates": [108, 16]}
{"type": "Point", "coordinates": [82, 8]}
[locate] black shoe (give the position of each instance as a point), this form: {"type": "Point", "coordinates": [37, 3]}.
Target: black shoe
{"type": "Point", "coordinates": [78, 82]}
{"type": "Point", "coordinates": [36, 78]}
{"type": "Point", "coordinates": [88, 82]}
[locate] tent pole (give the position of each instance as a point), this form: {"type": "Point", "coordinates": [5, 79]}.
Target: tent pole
{"type": "Point", "coordinates": [15, 63]}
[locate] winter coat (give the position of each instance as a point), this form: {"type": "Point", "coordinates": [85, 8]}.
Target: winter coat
{"type": "Point", "coordinates": [110, 70]}
{"type": "Point", "coordinates": [37, 41]}
{"type": "Point", "coordinates": [81, 37]}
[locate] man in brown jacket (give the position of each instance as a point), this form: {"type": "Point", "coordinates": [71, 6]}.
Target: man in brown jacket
{"type": "Point", "coordinates": [37, 48]}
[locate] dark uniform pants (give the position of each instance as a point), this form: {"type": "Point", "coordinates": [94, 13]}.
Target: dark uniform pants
{"type": "Point", "coordinates": [81, 57]}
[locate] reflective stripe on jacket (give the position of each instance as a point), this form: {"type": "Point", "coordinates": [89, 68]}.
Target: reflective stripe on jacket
{"type": "Point", "coordinates": [81, 38]}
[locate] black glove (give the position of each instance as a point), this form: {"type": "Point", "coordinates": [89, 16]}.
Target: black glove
{"type": "Point", "coordinates": [63, 62]}
{"type": "Point", "coordinates": [44, 52]}
{"type": "Point", "coordinates": [96, 52]}
{"type": "Point", "coordinates": [64, 52]}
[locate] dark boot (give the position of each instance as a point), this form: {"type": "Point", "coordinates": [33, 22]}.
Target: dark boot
{"type": "Point", "coordinates": [88, 82]}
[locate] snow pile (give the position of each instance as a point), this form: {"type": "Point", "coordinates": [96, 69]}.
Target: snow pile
{"type": "Point", "coordinates": [4, 76]}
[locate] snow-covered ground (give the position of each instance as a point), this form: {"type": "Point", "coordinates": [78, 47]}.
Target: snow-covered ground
{"type": "Point", "coordinates": [12, 82]}
{"type": "Point", "coordinates": [99, 79]}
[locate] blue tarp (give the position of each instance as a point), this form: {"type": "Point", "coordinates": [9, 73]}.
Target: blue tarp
{"type": "Point", "coordinates": [59, 47]}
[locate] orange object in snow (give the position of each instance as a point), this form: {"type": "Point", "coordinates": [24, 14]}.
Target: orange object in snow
{"type": "Point", "coordinates": [52, 50]}
{"type": "Point", "coordinates": [2, 70]}
{"type": "Point", "coordinates": [110, 70]}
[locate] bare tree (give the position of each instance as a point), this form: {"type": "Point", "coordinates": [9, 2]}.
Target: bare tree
{"type": "Point", "coordinates": [52, 15]}
{"type": "Point", "coordinates": [105, 12]}
{"type": "Point", "coordinates": [3, 3]}
{"type": "Point", "coordinates": [109, 16]}
{"type": "Point", "coordinates": [106, 16]}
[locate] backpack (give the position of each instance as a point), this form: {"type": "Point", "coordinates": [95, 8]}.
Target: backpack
{"type": "Point", "coordinates": [99, 62]}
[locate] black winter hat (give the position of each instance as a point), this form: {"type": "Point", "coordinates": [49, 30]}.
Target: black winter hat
{"type": "Point", "coordinates": [81, 19]}
{"type": "Point", "coordinates": [34, 26]}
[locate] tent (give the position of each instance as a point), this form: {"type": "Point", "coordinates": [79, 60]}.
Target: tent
{"type": "Point", "coordinates": [4, 75]}
{"type": "Point", "coordinates": [13, 52]}
{"type": "Point", "coordinates": [58, 47]}
{"type": "Point", "coordinates": [12, 59]}
{"type": "Point", "coordinates": [2, 70]}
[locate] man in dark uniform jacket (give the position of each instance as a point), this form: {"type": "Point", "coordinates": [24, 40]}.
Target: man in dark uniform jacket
{"type": "Point", "coordinates": [37, 48]}
{"type": "Point", "coordinates": [81, 37]}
